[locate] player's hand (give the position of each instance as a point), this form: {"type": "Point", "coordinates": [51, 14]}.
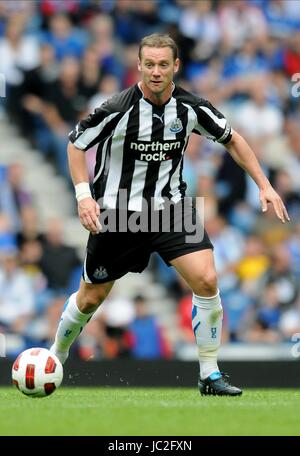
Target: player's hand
{"type": "Point", "coordinates": [89, 212]}
{"type": "Point", "coordinates": [268, 195]}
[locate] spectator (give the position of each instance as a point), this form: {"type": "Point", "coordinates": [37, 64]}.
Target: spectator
{"type": "Point", "coordinates": [7, 235]}
{"type": "Point", "coordinates": [289, 323]}
{"type": "Point", "coordinates": [115, 316]}
{"type": "Point", "coordinates": [253, 265]}
{"type": "Point", "coordinates": [265, 326]}
{"type": "Point", "coordinates": [65, 40]}
{"type": "Point", "coordinates": [63, 106]}
{"type": "Point", "coordinates": [90, 73]}
{"type": "Point", "coordinates": [293, 246]}
{"type": "Point", "coordinates": [280, 275]}
{"type": "Point", "coordinates": [30, 229]}
{"type": "Point", "coordinates": [258, 118]}
{"type": "Point", "coordinates": [18, 52]}
{"type": "Point", "coordinates": [13, 195]}
{"type": "Point", "coordinates": [228, 249]}
{"type": "Point", "coordinates": [101, 28]}
{"type": "Point", "coordinates": [17, 298]}
{"type": "Point", "coordinates": [15, 178]}
{"type": "Point", "coordinates": [240, 20]}
{"type": "Point", "coordinates": [30, 255]}
{"type": "Point", "coordinates": [36, 85]}
{"type": "Point", "coordinates": [147, 338]}
{"type": "Point", "coordinates": [58, 260]}
{"type": "Point", "coordinates": [200, 23]}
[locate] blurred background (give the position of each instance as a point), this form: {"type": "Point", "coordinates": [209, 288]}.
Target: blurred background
{"type": "Point", "coordinates": [60, 60]}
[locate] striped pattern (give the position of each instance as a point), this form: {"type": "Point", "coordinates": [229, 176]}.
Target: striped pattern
{"type": "Point", "coordinates": [141, 145]}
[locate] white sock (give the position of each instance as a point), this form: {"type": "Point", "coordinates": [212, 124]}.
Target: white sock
{"type": "Point", "coordinates": [70, 326]}
{"type": "Point", "coordinates": [207, 315]}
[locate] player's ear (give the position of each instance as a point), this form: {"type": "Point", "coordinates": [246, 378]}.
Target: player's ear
{"type": "Point", "coordinates": [139, 66]}
{"type": "Point", "coordinates": [176, 65]}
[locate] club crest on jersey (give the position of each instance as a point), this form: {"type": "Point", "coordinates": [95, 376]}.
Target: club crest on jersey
{"type": "Point", "coordinates": [100, 273]}
{"type": "Point", "coordinates": [176, 126]}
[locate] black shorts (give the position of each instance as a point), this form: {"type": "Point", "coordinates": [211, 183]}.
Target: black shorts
{"type": "Point", "coordinates": [112, 254]}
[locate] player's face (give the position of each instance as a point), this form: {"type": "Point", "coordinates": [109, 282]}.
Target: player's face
{"type": "Point", "coordinates": [158, 67]}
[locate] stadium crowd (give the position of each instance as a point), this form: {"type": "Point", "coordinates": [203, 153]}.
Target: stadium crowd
{"type": "Point", "coordinates": [60, 60]}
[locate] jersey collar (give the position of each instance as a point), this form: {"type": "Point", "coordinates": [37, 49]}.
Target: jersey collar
{"type": "Point", "coordinates": [149, 101]}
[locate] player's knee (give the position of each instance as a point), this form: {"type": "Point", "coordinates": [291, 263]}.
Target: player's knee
{"type": "Point", "coordinates": [206, 284]}
{"type": "Point", "coordinates": [90, 301]}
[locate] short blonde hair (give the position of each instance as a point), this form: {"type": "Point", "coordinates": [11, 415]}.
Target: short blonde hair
{"type": "Point", "coordinates": [158, 40]}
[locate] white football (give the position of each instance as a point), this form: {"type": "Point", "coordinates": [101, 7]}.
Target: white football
{"type": "Point", "coordinates": [37, 372]}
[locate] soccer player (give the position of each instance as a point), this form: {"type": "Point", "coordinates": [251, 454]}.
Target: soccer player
{"type": "Point", "coordinates": [142, 134]}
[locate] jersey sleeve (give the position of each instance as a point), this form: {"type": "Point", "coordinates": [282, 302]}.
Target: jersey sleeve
{"type": "Point", "coordinates": [95, 128]}
{"type": "Point", "coordinates": [211, 123]}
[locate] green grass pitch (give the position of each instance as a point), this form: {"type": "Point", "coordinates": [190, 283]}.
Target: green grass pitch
{"type": "Point", "coordinates": [149, 412]}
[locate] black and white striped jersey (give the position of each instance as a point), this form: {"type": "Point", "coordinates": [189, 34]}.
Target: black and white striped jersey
{"type": "Point", "coordinates": [141, 145]}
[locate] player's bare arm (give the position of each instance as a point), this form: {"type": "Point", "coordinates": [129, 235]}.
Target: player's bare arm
{"type": "Point", "coordinates": [88, 208]}
{"type": "Point", "coordinates": [244, 156]}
